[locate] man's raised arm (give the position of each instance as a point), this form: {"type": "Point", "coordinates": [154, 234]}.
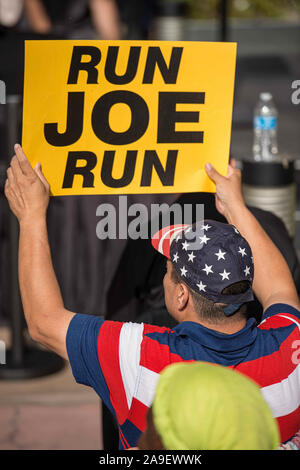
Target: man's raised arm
{"type": "Point", "coordinates": [27, 192]}
{"type": "Point", "coordinates": [273, 282]}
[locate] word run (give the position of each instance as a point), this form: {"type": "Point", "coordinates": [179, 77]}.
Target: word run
{"type": "Point", "coordinates": [166, 114]}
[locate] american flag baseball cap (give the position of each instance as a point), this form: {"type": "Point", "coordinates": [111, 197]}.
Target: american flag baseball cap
{"type": "Point", "coordinates": [209, 256]}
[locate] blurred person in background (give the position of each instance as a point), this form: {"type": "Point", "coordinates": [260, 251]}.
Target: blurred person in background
{"type": "Point", "coordinates": [76, 19]}
{"type": "Point", "coordinates": [22, 20]}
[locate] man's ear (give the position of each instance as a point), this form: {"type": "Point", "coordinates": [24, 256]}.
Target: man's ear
{"type": "Point", "coordinates": [182, 296]}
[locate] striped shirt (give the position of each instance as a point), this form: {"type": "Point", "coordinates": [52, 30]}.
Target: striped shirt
{"type": "Point", "coordinates": [122, 362]}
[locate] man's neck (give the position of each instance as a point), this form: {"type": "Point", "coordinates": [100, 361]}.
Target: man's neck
{"type": "Point", "coordinates": [227, 328]}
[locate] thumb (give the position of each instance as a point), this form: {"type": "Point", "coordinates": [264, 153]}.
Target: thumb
{"type": "Point", "coordinates": [233, 162]}
{"type": "Point", "coordinates": [230, 170]}
{"type": "Point", "coordinates": [213, 173]}
{"type": "Point", "coordinates": [38, 170]}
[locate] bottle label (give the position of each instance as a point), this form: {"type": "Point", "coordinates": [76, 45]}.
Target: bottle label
{"type": "Point", "coordinates": [265, 123]}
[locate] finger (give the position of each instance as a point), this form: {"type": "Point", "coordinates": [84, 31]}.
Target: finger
{"type": "Point", "coordinates": [213, 173]}
{"type": "Point", "coordinates": [13, 186]}
{"type": "Point", "coordinates": [10, 176]}
{"type": "Point", "coordinates": [23, 161]}
{"type": "Point", "coordinates": [235, 171]}
{"type": "Point", "coordinates": [38, 170]}
{"type": "Point", "coordinates": [6, 189]}
{"type": "Point", "coordinates": [233, 162]}
{"type": "Point", "coordinates": [16, 169]}
{"type": "Point", "coordinates": [230, 171]}
{"type": "Point", "coordinates": [9, 192]}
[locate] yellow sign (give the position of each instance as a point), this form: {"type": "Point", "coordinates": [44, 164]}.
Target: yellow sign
{"type": "Point", "coordinates": [112, 117]}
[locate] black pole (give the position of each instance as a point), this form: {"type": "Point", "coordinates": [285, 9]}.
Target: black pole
{"type": "Point", "coordinates": [224, 9]}
{"type": "Point", "coordinates": [21, 362]}
{"type": "Point", "coordinates": [13, 119]}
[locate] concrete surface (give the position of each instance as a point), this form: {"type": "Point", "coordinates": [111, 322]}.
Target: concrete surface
{"type": "Point", "coordinates": [48, 413]}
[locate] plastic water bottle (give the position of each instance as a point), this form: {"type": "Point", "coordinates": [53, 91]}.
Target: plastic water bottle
{"type": "Point", "coordinates": [265, 129]}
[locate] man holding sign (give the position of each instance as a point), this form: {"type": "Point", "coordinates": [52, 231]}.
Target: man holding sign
{"type": "Point", "coordinates": [207, 284]}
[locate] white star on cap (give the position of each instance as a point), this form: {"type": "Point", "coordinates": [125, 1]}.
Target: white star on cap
{"type": "Point", "coordinates": [175, 258]}
{"type": "Point", "coordinates": [247, 271]}
{"type": "Point", "coordinates": [201, 286]}
{"type": "Point", "coordinates": [224, 275]}
{"type": "Point", "coordinates": [185, 245]}
{"type": "Point", "coordinates": [220, 254]}
{"type": "Point", "coordinates": [242, 251]}
{"type": "Point", "coordinates": [191, 257]}
{"type": "Point", "coordinates": [183, 271]}
{"type": "Point", "coordinates": [207, 269]}
{"type": "Point", "coordinates": [204, 239]}
{"type": "Point", "coordinates": [206, 227]}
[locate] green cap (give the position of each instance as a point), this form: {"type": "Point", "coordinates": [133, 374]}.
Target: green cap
{"type": "Point", "coordinates": [202, 406]}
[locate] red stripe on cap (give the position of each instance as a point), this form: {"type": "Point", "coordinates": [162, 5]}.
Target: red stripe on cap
{"type": "Point", "coordinates": [162, 239]}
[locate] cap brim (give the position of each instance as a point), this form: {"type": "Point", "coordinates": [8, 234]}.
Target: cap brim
{"type": "Point", "coordinates": [162, 239]}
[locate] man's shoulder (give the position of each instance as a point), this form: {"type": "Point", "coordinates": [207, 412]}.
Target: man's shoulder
{"type": "Point", "coordinates": [279, 314]}
{"type": "Point", "coordinates": [278, 334]}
